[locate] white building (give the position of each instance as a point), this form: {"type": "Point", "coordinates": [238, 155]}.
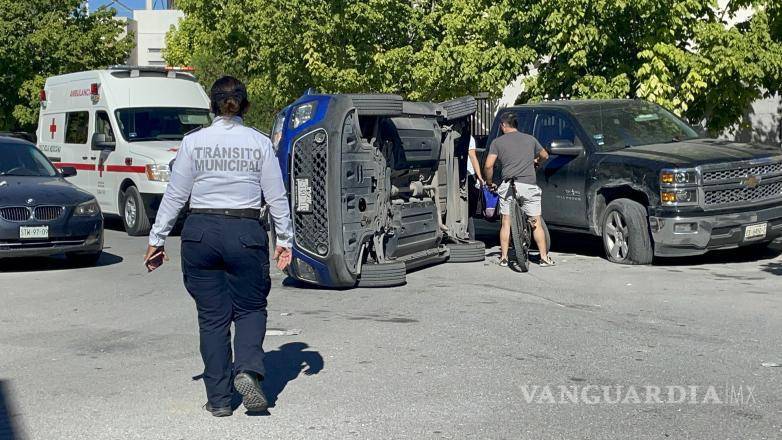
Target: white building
{"type": "Point", "coordinates": [150, 26]}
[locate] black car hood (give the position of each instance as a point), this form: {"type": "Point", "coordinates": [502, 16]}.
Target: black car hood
{"type": "Point", "coordinates": [698, 152]}
{"type": "Point", "coordinates": [43, 190]}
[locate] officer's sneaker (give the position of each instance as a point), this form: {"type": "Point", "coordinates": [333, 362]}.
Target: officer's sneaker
{"type": "Point", "coordinates": [223, 411]}
{"type": "Point", "coordinates": [248, 385]}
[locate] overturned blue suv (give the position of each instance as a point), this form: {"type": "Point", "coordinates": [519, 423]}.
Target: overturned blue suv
{"type": "Point", "coordinates": [377, 186]}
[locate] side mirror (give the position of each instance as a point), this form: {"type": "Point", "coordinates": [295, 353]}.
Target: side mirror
{"type": "Point", "coordinates": [564, 147]}
{"type": "Point", "coordinates": [101, 142]}
{"type": "Point", "coordinates": [68, 171]}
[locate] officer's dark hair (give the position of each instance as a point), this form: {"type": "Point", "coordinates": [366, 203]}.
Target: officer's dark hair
{"type": "Point", "coordinates": [229, 97]}
{"type": "Point", "coordinates": [509, 119]}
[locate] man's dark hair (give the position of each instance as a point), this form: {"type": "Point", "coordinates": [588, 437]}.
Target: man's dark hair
{"type": "Point", "coordinates": [509, 119]}
{"type": "Point", "coordinates": [229, 97]}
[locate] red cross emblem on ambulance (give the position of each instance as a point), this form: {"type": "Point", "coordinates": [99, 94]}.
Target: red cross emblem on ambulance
{"type": "Point", "coordinates": [53, 128]}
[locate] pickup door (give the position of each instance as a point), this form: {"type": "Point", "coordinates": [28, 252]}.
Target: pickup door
{"type": "Point", "coordinates": [562, 178]}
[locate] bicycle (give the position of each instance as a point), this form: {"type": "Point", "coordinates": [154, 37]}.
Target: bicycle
{"type": "Point", "coordinates": [520, 230]}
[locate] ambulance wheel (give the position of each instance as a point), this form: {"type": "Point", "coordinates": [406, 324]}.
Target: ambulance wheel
{"type": "Point", "coordinates": [371, 104]}
{"type": "Point", "coordinates": [459, 107]}
{"type": "Point", "coordinates": [134, 215]}
{"type": "Point", "coordinates": [466, 252]}
{"type": "Point", "coordinates": [382, 275]}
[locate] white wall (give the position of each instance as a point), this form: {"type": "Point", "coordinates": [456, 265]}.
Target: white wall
{"type": "Point", "coordinates": [150, 28]}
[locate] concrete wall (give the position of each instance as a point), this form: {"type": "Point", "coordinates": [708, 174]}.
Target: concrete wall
{"type": "Point", "coordinates": [150, 28]}
{"type": "Point", "coordinates": [762, 123]}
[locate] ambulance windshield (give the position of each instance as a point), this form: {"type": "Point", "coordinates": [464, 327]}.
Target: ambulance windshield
{"type": "Point", "coordinates": [160, 123]}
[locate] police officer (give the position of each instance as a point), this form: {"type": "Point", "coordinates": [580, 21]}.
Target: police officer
{"type": "Point", "coordinates": [224, 170]}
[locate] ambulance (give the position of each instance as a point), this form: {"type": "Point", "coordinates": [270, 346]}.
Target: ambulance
{"type": "Point", "coordinates": [121, 129]}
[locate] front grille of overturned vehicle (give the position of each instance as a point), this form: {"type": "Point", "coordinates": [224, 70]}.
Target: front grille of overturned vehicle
{"type": "Point", "coordinates": [737, 171]}
{"type": "Point", "coordinates": [48, 213]}
{"type": "Point", "coordinates": [743, 195]}
{"type": "Point", "coordinates": [310, 161]}
{"type": "Point", "coordinates": [15, 213]}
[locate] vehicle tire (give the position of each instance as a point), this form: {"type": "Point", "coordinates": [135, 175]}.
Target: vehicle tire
{"type": "Point", "coordinates": [87, 259]}
{"type": "Point", "coordinates": [377, 104]}
{"type": "Point", "coordinates": [466, 252]}
{"type": "Point", "coordinates": [459, 107]}
{"type": "Point", "coordinates": [520, 236]}
{"type": "Point", "coordinates": [626, 236]}
{"type": "Point", "coordinates": [134, 215]}
{"type": "Point", "coordinates": [382, 275]}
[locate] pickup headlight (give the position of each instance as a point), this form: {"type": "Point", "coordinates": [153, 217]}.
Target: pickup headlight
{"type": "Point", "coordinates": [158, 172]}
{"type": "Point", "coordinates": [679, 197]}
{"type": "Point", "coordinates": [678, 187]}
{"type": "Point", "coordinates": [87, 209]}
{"type": "Point", "coordinates": [302, 113]}
{"type": "Point", "coordinates": [678, 177]}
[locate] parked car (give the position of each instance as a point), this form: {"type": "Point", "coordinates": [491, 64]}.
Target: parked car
{"type": "Point", "coordinates": [647, 183]}
{"type": "Point", "coordinates": [376, 186]}
{"type": "Point", "coordinates": [121, 128]}
{"type": "Point", "coordinates": [41, 213]}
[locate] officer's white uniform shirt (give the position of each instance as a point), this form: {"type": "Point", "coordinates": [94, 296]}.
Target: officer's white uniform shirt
{"type": "Point", "coordinates": [224, 166]}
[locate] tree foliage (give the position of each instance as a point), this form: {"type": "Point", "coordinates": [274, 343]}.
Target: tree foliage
{"type": "Point", "coordinates": [679, 53]}
{"type": "Point", "coordinates": [41, 38]}
{"type": "Point", "coordinates": [420, 49]}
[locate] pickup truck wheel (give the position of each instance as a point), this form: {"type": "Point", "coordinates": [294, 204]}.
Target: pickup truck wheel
{"type": "Point", "coordinates": [382, 275]}
{"type": "Point", "coordinates": [377, 104]}
{"type": "Point", "coordinates": [134, 215]}
{"type": "Point", "coordinates": [626, 235]}
{"type": "Point", "coordinates": [466, 252]}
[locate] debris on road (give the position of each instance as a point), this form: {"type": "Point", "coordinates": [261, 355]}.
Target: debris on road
{"type": "Point", "coordinates": [282, 332]}
{"type": "Point", "coordinates": [286, 314]}
{"type": "Point", "coordinates": [770, 364]}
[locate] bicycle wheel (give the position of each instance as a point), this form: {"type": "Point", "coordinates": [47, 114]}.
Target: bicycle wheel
{"type": "Point", "coordinates": [520, 234]}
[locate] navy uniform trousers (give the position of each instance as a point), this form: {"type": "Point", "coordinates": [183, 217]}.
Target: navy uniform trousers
{"type": "Point", "coordinates": [225, 263]}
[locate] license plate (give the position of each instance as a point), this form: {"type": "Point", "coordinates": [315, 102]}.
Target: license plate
{"type": "Point", "coordinates": [755, 231]}
{"type": "Point", "coordinates": [303, 195]}
{"type": "Point", "coordinates": [28, 232]}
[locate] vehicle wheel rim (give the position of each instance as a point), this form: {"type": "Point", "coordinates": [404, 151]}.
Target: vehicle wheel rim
{"type": "Point", "coordinates": [616, 233]}
{"type": "Point", "coordinates": [130, 212]}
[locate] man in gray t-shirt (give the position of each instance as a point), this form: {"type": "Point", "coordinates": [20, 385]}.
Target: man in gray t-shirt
{"type": "Point", "coordinates": [518, 153]}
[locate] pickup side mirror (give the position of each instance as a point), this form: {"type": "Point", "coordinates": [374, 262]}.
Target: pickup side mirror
{"type": "Point", "coordinates": [101, 142]}
{"type": "Point", "coordinates": [68, 171]}
{"type": "Point", "coordinates": [564, 147]}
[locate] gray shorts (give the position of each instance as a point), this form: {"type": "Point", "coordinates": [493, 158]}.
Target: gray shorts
{"type": "Point", "coordinates": [530, 198]}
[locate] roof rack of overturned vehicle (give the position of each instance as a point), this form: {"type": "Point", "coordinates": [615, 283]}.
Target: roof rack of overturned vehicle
{"type": "Point", "coordinates": [170, 70]}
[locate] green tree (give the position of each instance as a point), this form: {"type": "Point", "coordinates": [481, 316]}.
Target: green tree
{"type": "Point", "coordinates": [41, 38]}
{"type": "Point", "coordinates": [678, 53]}
{"type": "Point", "coordinates": [420, 49]}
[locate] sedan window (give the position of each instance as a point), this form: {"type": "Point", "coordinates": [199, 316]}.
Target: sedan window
{"type": "Point", "coordinates": [24, 160]}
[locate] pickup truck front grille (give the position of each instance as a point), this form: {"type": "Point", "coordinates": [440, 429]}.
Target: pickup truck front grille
{"type": "Point", "coordinates": [735, 171]}
{"type": "Point", "coordinates": [739, 196]}
{"type": "Point", "coordinates": [310, 161]}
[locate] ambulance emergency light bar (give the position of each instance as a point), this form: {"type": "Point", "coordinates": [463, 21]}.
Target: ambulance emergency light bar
{"type": "Point", "coordinates": [135, 71]}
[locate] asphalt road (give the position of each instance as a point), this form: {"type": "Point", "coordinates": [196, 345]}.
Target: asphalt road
{"type": "Point", "coordinates": [111, 352]}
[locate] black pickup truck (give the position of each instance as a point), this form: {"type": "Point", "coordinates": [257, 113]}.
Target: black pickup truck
{"type": "Point", "coordinates": [635, 174]}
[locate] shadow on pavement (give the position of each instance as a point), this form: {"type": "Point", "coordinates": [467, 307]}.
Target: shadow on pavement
{"type": "Point", "coordinates": [284, 365]}
{"type": "Point", "coordinates": [9, 428]}
{"type": "Point", "coordinates": [34, 264]}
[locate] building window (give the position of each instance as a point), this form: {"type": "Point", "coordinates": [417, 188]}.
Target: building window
{"type": "Point", "coordinates": [155, 50]}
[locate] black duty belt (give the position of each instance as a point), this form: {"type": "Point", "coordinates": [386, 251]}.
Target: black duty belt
{"type": "Point", "coordinates": [254, 214]}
